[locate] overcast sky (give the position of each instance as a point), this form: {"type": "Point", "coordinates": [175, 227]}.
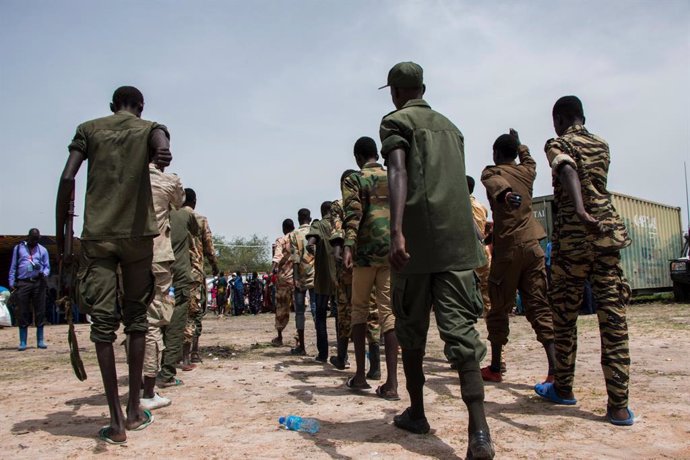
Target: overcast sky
{"type": "Point", "coordinates": [264, 99]}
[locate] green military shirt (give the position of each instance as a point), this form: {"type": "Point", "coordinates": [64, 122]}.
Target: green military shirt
{"type": "Point", "coordinates": [118, 189]}
{"type": "Point", "coordinates": [367, 215]}
{"type": "Point", "coordinates": [437, 223]}
{"type": "Point", "coordinates": [589, 156]}
{"type": "Point", "coordinates": [324, 260]}
{"type": "Point", "coordinates": [183, 229]}
{"type": "Point", "coordinates": [303, 262]}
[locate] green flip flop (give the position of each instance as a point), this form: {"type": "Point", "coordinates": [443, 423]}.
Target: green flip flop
{"type": "Point", "coordinates": [147, 422]}
{"type": "Point", "coordinates": [103, 436]}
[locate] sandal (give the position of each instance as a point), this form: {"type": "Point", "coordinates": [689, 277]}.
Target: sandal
{"type": "Point", "coordinates": [388, 395]}
{"type": "Point", "coordinates": [548, 391]}
{"type": "Point", "coordinates": [147, 422]}
{"type": "Point", "coordinates": [350, 383]}
{"type": "Point", "coordinates": [103, 436]}
{"type": "Point", "coordinates": [404, 421]}
{"type": "Point", "coordinates": [618, 422]}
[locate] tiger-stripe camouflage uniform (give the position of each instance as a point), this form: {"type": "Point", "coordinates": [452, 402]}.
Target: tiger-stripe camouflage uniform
{"type": "Point", "coordinates": [344, 288]}
{"type": "Point", "coordinates": [285, 288]}
{"type": "Point", "coordinates": [202, 246]}
{"type": "Point", "coordinates": [577, 256]}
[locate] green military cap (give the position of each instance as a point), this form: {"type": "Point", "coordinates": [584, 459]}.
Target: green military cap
{"type": "Point", "coordinates": [405, 75]}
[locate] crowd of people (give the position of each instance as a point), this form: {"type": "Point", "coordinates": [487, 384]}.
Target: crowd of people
{"type": "Point", "coordinates": [402, 240]}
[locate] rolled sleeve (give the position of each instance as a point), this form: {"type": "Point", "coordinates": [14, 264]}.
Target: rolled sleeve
{"type": "Point", "coordinates": [557, 155]}
{"type": "Point", "coordinates": [79, 141]}
{"type": "Point", "coordinates": [392, 138]}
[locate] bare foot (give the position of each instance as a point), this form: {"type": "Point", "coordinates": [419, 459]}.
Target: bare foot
{"type": "Point", "coordinates": [135, 420]}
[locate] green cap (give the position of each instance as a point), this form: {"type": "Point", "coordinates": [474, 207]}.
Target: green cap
{"type": "Point", "coordinates": [405, 75]}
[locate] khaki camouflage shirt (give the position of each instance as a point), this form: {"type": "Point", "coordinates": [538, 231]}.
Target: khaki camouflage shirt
{"type": "Point", "coordinates": [202, 245]}
{"type": "Point", "coordinates": [367, 215]}
{"type": "Point", "coordinates": [303, 261]}
{"type": "Point", "coordinates": [168, 194]}
{"type": "Point", "coordinates": [589, 156]}
{"type": "Point", "coordinates": [281, 257]}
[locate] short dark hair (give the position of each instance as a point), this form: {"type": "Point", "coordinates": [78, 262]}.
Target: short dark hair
{"type": "Point", "coordinates": [506, 146]}
{"type": "Point", "coordinates": [303, 215]}
{"type": "Point", "coordinates": [32, 230]}
{"type": "Point", "coordinates": [470, 183]}
{"type": "Point", "coordinates": [189, 195]}
{"type": "Point", "coordinates": [288, 226]}
{"type": "Point", "coordinates": [325, 208]}
{"type": "Point", "coordinates": [569, 107]}
{"type": "Point", "coordinates": [346, 174]}
{"type": "Point", "coordinates": [365, 147]}
{"type": "Point", "coordinates": [127, 96]}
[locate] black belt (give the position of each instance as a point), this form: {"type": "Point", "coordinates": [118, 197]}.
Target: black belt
{"type": "Point", "coordinates": [29, 280]}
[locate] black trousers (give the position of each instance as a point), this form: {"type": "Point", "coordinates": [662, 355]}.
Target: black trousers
{"type": "Point", "coordinates": [31, 293]}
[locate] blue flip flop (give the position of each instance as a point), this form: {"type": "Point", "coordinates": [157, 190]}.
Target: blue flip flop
{"type": "Point", "coordinates": [103, 436]}
{"type": "Point", "coordinates": [548, 391]}
{"type": "Point", "coordinates": [147, 422]}
{"type": "Point", "coordinates": [625, 422]}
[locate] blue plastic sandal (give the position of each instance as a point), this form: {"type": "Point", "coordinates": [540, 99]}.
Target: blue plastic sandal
{"type": "Point", "coordinates": [548, 391]}
{"type": "Point", "coordinates": [625, 422]}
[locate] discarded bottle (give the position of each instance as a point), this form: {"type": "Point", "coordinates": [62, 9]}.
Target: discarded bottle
{"type": "Point", "coordinates": [171, 291]}
{"type": "Point", "coordinates": [297, 423]}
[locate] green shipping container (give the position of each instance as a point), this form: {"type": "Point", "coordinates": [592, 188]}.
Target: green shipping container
{"type": "Point", "coordinates": [656, 232]}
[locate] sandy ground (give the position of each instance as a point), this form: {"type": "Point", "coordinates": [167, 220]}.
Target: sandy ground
{"type": "Point", "coordinates": [229, 406]}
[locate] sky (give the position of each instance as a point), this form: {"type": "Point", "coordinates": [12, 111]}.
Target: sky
{"type": "Point", "coordinates": [265, 99]}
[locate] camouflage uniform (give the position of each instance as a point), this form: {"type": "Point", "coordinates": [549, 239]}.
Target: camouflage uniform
{"type": "Point", "coordinates": [168, 194]}
{"type": "Point", "coordinates": [202, 245]}
{"type": "Point", "coordinates": [367, 232]}
{"type": "Point", "coordinates": [344, 288]}
{"type": "Point", "coordinates": [303, 274]}
{"type": "Point", "coordinates": [480, 215]}
{"type": "Point", "coordinates": [577, 255]}
{"type": "Point", "coordinates": [285, 288]}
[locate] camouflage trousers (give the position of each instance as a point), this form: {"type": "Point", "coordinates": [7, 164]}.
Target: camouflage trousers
{"type": "Point", "coordinates": [193, 312]}
{"type": "Point", "coordinates": [284, 296]}
{"type": "Point", "coordinates": [483, 275]}
{"type": "Point", "coordinates": [612, 293]}
{"type": "Point", "coordinates": [344, 319]}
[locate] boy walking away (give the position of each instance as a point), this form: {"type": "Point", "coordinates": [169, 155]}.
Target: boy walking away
{"type": "Point", "coordinates": [168, 194]}
{"type": "Point", "coordinates": [303, 263]}
{"type": "Point", "coordinates": [318, 243]}
{"type": "Point", "coordinates": [518, 260]}
{"type": "Point", "coordinates": [367, 241]}
{"type": "Point", "coordinates": [119, 227]}
{"type": "Point", "coordinates": [221, 293]}
{"type": "Point", "coordinates": [434, 250]}
{"type": "Point", "coordinates": [588, 237]}
{"type": "Point", "coordinates": [285, 289]}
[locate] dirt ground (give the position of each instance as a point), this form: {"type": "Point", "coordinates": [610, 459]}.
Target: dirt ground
{"type": "Point", "coordinates": [229, 406]}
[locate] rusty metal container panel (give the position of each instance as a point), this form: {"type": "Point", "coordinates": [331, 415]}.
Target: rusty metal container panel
{"type": "Point", "coordinates": [656, 233]}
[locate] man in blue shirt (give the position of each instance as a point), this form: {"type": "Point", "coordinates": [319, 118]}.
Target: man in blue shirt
{"type": "Point", "coordinates": [28, 271]}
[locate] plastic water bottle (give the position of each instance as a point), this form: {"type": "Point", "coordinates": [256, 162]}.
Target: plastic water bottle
{"type": "Point", "coordinates": [171, 291]}
{"type": "Point", "coordinates": [297, 423]}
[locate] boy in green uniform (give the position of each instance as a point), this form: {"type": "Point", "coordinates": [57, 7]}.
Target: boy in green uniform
{"type": "Point", "coordinates": [119, 227]}
{"type": "Point", "coordinates": [318, 244]}
{"type": "Point", "coordinates": [588, 237]}
{"type": "Point", "coordinates": [434, 250]}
